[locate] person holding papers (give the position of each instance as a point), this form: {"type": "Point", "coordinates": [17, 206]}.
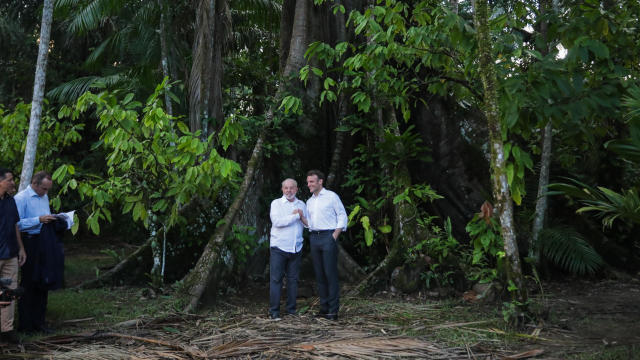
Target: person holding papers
{"type": "Point", "coordinates": [45, 258]}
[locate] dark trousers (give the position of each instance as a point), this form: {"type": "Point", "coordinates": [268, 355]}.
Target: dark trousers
{"type": "Point", "coordinates": [32, 306]}
{"type": "Point", "coordinates": [281, 263]}
{"type": "Point", "coordinates": [324, 254]}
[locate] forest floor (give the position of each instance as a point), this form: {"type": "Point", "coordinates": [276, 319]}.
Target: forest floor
{"type": "Point", "coordinates": [584, 320]}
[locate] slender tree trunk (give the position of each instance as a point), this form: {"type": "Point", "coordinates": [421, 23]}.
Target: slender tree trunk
{"type": "Point", "coordinates": [38, 94]}
{"type": "Point", "coordinates": [545, 158]}
{"type": "Point", "coordinates": [164, 52]}
{"type": "Point", "coordinates": [405, 212]}
{"type": "Point", "coordinates": [501, 193]}
{"type": "Point", "coordinates": [542, 200]}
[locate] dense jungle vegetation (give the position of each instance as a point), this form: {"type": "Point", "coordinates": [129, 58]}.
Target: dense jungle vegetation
{"type": "Point", "coordinates": [492, 142]}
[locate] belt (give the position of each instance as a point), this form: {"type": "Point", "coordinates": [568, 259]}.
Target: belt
{"type": "Point", "coordinates": [29, 236]}
{"type": "Point", "coordinates": [318, 232]}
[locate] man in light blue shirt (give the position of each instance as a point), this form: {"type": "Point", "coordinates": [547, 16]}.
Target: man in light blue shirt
{"type": "Point", "coordinates": [288, 216]}
{"type": "Point", "coordinates": [33, 207]}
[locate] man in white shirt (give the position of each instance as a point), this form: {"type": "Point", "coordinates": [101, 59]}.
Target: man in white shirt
{"type": "Point", "coordinates": [327, 219]}
{"type": "Point", "coordinates": [288, 216]}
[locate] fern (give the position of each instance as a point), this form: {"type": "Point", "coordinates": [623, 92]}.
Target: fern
{"type": "Point", "coordinates": [567, 249]}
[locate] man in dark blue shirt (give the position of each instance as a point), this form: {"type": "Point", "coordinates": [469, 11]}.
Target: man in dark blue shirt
{"type": "Point", "coordinates": [12, 254]}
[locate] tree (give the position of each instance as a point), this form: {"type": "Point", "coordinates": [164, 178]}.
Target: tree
{"type": "Point", "coordinates": [38, 94]}
{"type": "Point", "coordinates": [155, 165]}
{"type": "Point", "coordinates": [201, 274]}
{"type": "Point", "coordinates": [500, 184]}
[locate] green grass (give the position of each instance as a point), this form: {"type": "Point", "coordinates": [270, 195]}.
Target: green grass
{"type": "Point", "coordinates": [105, 305]}
{"type": "Point", "coordinates": [80, 268]}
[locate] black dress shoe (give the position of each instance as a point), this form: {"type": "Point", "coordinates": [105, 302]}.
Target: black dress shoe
{"type": "Point", "coordinates": [320, 314]}
{"type": "Point", "coordinates": [333, 317]}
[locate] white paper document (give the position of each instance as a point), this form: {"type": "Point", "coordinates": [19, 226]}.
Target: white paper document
{"type": "Point", "coordinates": [68, 217]}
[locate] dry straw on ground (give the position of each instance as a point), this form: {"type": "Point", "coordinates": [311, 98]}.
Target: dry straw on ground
{"type": "Point", "coordinates": [242, 333]}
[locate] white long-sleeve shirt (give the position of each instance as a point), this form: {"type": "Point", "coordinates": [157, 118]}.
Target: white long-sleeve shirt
{"type": "Point", "coordinates": [286, 229]}
{"type": "Point", "coordinates": [326, 211]}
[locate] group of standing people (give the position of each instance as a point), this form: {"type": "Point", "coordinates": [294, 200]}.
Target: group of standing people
{"type": "Point", "coordinates": [23, 218]}
{"type": "Point", "coordinates": [325, 217]}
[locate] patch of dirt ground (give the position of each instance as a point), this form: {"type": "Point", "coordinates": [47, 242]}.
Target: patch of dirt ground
{"type": "Point", "coordinates": [585, 319]}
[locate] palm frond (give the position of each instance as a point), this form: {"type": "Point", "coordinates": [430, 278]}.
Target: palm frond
{"type": "Point", "coordinates": [567, 249]}
{"type": "Point", "coordinates": [92, 15]}
{"type": "Point", "coordinates": [262, 13]}
{"type": "Point", "coordinates": [632, 102]}
{"type": "Point", "coordinates": [627, 148]}
{"type": "Point", "coordinates": [607, 204]}
{"type": "Point", "coordinates": [71, 90]}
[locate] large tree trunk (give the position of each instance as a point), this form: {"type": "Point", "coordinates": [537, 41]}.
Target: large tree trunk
{"type": "Point", "coordinates": [287, 18]}
{"type": "Point", "coordinates": [299, 38]}
{"type": "Point", "coordinates": [215, 93]}
{"type": "Point", "coordinates": [200, 72]}
{"type": "Point", "coordinates": [501, 193]}
{"type": "Point", "coordinates": [38, 94]}
{"type": "Point", "coordinates": [348, 267]}
{"type": "Point", "coordinates": [200, 276]}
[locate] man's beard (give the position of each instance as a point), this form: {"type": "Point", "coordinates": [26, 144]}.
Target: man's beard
{"type": "Point", "coordinates": [290, 197]}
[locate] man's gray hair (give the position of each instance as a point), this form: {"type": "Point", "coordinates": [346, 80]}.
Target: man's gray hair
{"type": "Point", "coordinates": [295, 183]}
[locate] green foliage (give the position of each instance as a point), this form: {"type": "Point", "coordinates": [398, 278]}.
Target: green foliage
{"type": "Point", "coordinates": [154, 164]}
{"type": "Point", "coordinates": [567, 249]}
{"type": "Point", "coordinates": [487, 249]}
{"type": "Point", "coordinates": [242, 242]}
{"type": "Point", "coordinates": [440, 248]}
{"type": "Point", "coordinates": [54, 137]}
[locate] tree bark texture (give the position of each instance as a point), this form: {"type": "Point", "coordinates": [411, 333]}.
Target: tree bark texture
{"type": "Point", "coordinates": [299, 38]}
{"type": "Point", "coordinates": [501, 192]}
{"type": "Point", "coordinates": [286, 26]}
{"type": "Point", "coordinates": [200, 75]}
{"type": "Point", "coordinates": [215, 102]}
{"type": "Point", "coordinates": [545, 157]}
{"type": "Point", "coordinates": [38, 95]}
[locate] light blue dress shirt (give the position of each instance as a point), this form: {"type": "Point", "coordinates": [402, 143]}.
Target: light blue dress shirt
{"type": "Point", "coordinates": [31, 207]}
